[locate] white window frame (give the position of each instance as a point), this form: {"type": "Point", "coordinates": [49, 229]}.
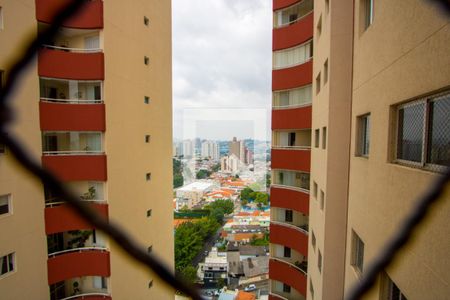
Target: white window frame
{"type": "Point", "coordinates": [308, 45]}
{"type": "Point", "coordinates": [363, 132]}
{"type": "Point", "coordinates": [9, 204]}
{"type": "Point", "coordinates": [10, 256]}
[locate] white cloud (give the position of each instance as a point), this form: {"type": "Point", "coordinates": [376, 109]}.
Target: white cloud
{"type": "Point", "coordinates": [221, 55]}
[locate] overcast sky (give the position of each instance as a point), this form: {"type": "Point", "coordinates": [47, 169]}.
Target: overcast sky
{"type": "Point", "coordinates": [221, 60]}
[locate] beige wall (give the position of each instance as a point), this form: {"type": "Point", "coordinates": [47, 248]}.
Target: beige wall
{"type": "Point", "coordinates": [329, 166]}
{"type": "Point", "coordinates": [402, 55]}
{"type": "Point", "coordinates": [127, 80]}
{"type": "Point", "coordinates": [23, 231]}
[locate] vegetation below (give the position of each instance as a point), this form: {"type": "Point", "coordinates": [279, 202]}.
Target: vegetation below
{"type": "Point", "coordinates": [177, 173]}
{"type": "Point", "coordinates": [249, 195]}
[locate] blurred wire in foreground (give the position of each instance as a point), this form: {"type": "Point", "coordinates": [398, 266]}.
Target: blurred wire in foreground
{"type": "Point", "coordinates": [123, 239]}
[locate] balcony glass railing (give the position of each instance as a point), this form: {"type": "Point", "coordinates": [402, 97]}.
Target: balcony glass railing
{"type": "Point", "coordinates": [294, 56]}
{"type": "Point", "coordinates": [70, 91]}
{"type": "Point", "coordinates": [87, 287]}
{"type": "Point", "coordinates": [290, 217]}
{"type": "Point", "coordinates": [90, 191]}
{"type": "Point", "coordinates": [72, 143]}
{"type": "Point", "coordinates": [292, 14]}
{"type": "Point", "coordinates": [295, 139]}
{"type": "Point", "coordinates": [292, 98]}
{"type": "Point", "coordinates": [291, 179]}
{"type": "Point", "coordinates": [75, 241]}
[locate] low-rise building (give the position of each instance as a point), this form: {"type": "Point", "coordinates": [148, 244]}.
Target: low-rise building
{"type": "Point", "coordinates": [191, 194]}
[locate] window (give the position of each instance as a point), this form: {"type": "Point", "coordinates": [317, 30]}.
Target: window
{"type": "Point", "coordinates": [325, 72]}
{"type": "Point", "coordinates": [146, 99]}
{"type": "Point", "coordinates": [147, 138]}
{"type": "Point", "coordinates": [291, 178]}
{"type": "Point", "coordinates": [1, 17]}
{"type": "Point", "coordinates": [363, 137]}
{"type": "Point", "coordinates": [292, 14]}
{"type": "Point", "coordinates": [390, 290]}
{"type": "Point", "coordinates": [150, 283]}
{"type": "Point", "coordinates": [146, 60]}
{"type": "Point", "coordinates": [148, 176]}
{"type": "Point", "coordinates": [287, 252]}
{"type": "Point", "coordinates": [313, 240]}
{"type": "Point", "coordinates": [288, 217]}
{"type": "Point", "coordinates": [423, 132]}
{"type": "Point", "coordinates": [315, 187]}
{"type": "Point", "coordinates": [318, 84]}
{"type": "Point", "coordinates": [7, 264]}
{"type": "Point", "coordinates": [146, 21]}
{"type": "Point", "coordinates": [5, 204]}
{"type": "Point", "coordinates": [357, 259]}
{"type": "Point", "coordinates": [327, 6]}
{"type": "Point", "coordinates": [324, 138]}
{"type": "Point", "coordinates": [286, 288]}
{"type": "Point", "coordinates": [292, 56]}
{"type": "Point", "coordinates": [150, 249]}
{"type": "Point", "coordinates": [149, 213]}
{"type": "Point", "coordinates": [295, 97]}
{"type": "Point", "coordinates": [367, 11]}
{"type": "Point", "coordinates": [319, 262]}
{"type": "Point", "coordinates": [316, 138]}
{"type": "Point", "coordinates": [322, 199]}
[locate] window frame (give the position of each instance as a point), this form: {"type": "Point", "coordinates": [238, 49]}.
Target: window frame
{"type": "Point", "coordinates": [288, 213]}
{"type": "Point", "coordinates": [9, 205]}
{"type": "Point", "coordinates": [10, 256]}
{"type": "Point", "coordinates": [357, 253]}
{"type": "Point", "coordinates": [363, 132]}
{"type": "Point", "coordinates": [426, 122]}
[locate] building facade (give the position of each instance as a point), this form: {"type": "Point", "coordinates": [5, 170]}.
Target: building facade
{"type": "Point", "coordinates": [96, 107]}
{"type": "Point", "coordinates": [291, 147]}
{"type": "Point", "coordinates": [379, 134]}
{"type": "Point", "coordinates": [210, 149]}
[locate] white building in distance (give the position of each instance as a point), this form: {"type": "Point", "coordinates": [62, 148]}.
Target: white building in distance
{"type": "Point", "coordinates": [210, 149]}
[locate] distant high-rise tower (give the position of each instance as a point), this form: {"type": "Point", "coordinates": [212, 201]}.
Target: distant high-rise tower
{"type": "Point", "coordinates": [96, 107]}
{"type": "Point", "coordinates": [210, 149]}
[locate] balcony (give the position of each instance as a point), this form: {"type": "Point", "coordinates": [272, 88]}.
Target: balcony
{"type": "Point", "coordinates": [90, 16]}
{"type": "Point", "coordinates": [289, 199]}
{"type": "Point", "coordinates": [288, 119]}
{"type": "Point", "coordinates": [296, 159]}
{"type": "Point", "coordinates": [75, 241]}
{"type": "Point", "coordinates": [289, 274]}
{"type": "Point", "coordinates": [62, 218]}
{"type": "Point", "coordinates": [89, 191]}
{"type": "Point", "coordinates": [293, 25]}
{"type": "Point", "coordinates": [71, 91]}
{"type": "Point", "coordinates": [292, 77]}
{"type": "Point", "coordinates": [74, 156]}
{"type": "Point", "coordinates": [290, 179]}
{"type": "Point", "coordinates": [293, 98]}
{"type": "Point", "coordinates": [290, 236]}
{"type": "Point", "coordinates": [290, 217]}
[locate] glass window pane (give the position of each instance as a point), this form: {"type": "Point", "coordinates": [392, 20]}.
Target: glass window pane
{"type": "Point", "coordinates": [410, 132]}
{"type": "Point", "coordinates": [438, 151]}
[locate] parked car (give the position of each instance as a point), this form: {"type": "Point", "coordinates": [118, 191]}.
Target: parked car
{"type": "Point", "coordinates": [250, 287]}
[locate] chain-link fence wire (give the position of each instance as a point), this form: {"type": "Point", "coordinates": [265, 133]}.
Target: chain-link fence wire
{"type": "Point", "coordinates": [139, 253]}
{"type": "Point", "coordinates": [115, 232]}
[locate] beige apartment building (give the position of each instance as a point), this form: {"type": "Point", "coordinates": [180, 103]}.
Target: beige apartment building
{"type": "Point", "coordinates": [96, 108]}
{"type": "Point", "coordinates": [380, 134]}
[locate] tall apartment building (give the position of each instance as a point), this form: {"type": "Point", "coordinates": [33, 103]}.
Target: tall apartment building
{"type": "Point", "coordinates": [96, 107]}
{"type": "Point", "coordinates": [291, 147]}
{"type": "Point", "coordinates": [210, 149]}
{"type": "Point", "coordinates": [380, 135]}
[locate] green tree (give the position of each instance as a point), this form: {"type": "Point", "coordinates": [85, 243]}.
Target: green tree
{"type": "Point", "coordinates": [245, 193]}
{"type": "Point", "coordinates": [202, 174]}
{"type": "Point", "coordinates": [189, 273]}
{"type": "Point", "coordinates": [262, 198]}
{"type": "Point", "coordinates": [216, 167]}
{"type": "Point", "coordinates": [177, 173]}
{"type": "Point", "coordinates": [226, 204]}
{"type": "Point", "coordinates": [217, 214]}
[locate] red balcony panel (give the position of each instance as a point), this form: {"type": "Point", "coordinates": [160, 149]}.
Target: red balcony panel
{"type": "Point", "coordinates": [279, 4]}
{"type": "Point", "coordinates": [71, 65]}
{"type": "Point", "coordinates": [72, 117]}
{"type": "Point", "coordinates": [290, 159]}
{"type": "Point", "coordinates": [285, 273]}
{"type": "Point", "coordinates": [293, 118]}
{"type": "Point", "coordinates": [62, 218]}
{"type": "Point", "coordinates": [77, 167]}
{"type": "Point", "coordinates": [89, 17]}
{"type": "Point", "coordinates": [78, 264]}
{"type": "Point", "coordinates": [290, 237]}
{"type": "Point", "coordinates": [289, 78]}
{"type": "Point", "coordinates": [289, 199]}
{"type": "Point", "coordinates": [294, 34]}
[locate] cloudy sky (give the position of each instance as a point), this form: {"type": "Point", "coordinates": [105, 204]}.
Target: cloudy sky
{"type": "Point", "coordinates": [221, 67]}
